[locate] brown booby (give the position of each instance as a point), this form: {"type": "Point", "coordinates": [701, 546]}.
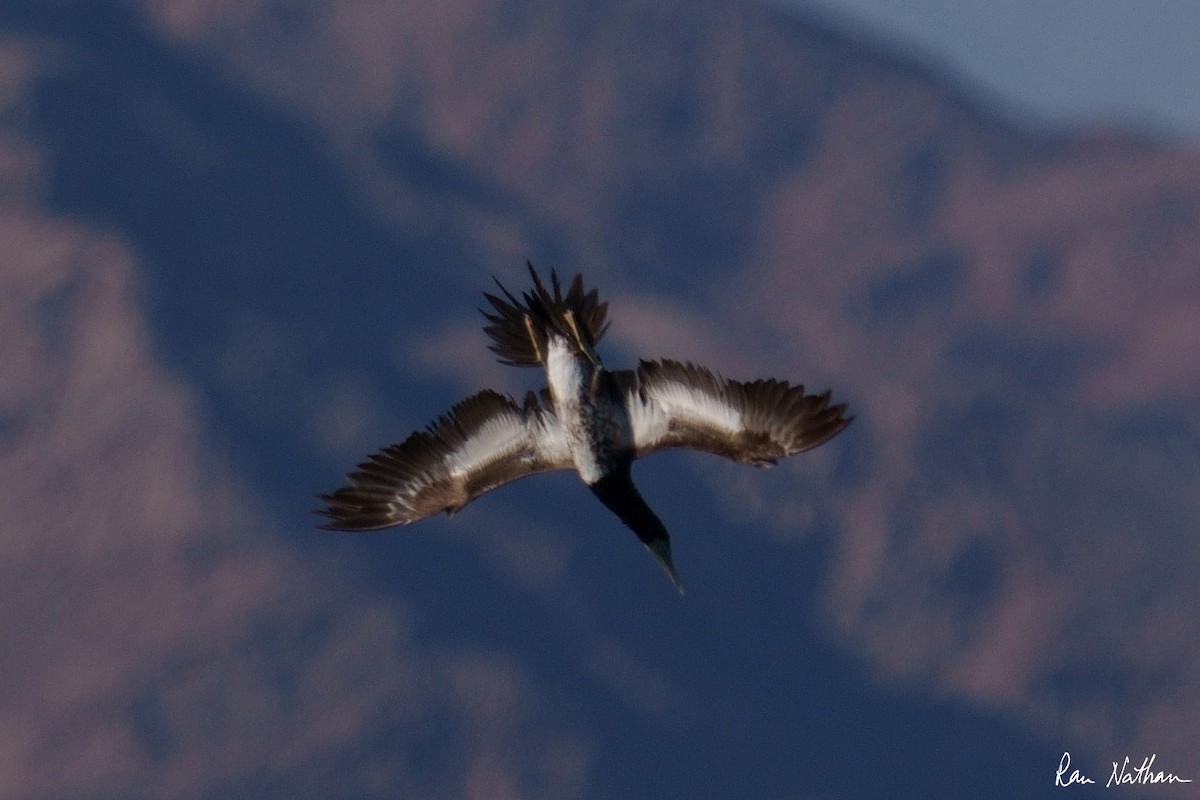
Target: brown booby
{"type": "Point", "coordinates": [589, 419]}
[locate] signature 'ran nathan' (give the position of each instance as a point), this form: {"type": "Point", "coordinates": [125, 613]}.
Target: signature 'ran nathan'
{"type": "Point", "coordinates": [589, 419]}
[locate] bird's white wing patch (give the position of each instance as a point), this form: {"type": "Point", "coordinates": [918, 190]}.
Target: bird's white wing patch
{"type": "Point", "coordinates": [498, 438]}
{"type": "Point", "coordinates": [549, 438]}
{"type": "Point", "coordinates": [647, 419]}
{"type": "Point", "coordinates": [694, 405]}
{"type": "Point", "coordinates": [669, 397]}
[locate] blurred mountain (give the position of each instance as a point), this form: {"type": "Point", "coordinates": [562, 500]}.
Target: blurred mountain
{"type": "Point", "coordinates": [244, 245]}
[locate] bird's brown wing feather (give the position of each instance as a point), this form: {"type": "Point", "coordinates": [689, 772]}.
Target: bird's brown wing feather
{"type": "Point", "coordinates": [675, 404]}
{"type": "Point", "coordinates": [485, 441]}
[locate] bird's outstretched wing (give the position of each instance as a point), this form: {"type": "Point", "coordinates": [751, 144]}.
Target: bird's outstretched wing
{"type": "Point", "coordinates": [683, 405]}
{"type": "Point", "coordinates": [485, 441]}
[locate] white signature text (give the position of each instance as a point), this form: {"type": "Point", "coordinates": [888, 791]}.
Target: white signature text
{"type": "Point", "coordinates": [1122, 774]}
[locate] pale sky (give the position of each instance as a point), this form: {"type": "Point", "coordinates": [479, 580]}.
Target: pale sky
{"type": "Point", "coordinates": [1135, 64]}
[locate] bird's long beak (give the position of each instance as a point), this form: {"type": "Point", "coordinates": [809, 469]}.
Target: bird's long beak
{"type": "Point", "coordinates": [662, 554]}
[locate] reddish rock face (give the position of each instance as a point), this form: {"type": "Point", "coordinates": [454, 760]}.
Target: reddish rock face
{"type": "Point", "coordinates": [237, 243]}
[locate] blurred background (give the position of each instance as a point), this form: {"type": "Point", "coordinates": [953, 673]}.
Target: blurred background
{"type": "Point", "coordinates": [243, 244]}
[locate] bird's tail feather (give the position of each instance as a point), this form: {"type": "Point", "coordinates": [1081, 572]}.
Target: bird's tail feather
{"type": "Point", "coordinates": [519, 327]}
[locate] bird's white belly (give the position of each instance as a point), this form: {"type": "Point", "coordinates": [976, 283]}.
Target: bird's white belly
{"type": "Point", "coordinates": [568, 380]}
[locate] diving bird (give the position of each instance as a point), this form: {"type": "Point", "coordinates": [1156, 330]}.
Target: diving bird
{"type": "Point", "coordinates": [590, 419]}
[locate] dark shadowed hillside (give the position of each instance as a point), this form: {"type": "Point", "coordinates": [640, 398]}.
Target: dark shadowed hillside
{"type": "Point", "coordinates": [245, 244]}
